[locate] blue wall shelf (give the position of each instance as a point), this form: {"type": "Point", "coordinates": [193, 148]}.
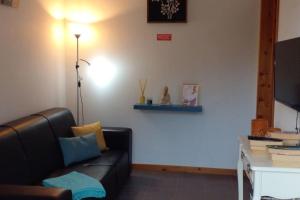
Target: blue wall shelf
{"type": "Point", "coordinates": [174, 108]}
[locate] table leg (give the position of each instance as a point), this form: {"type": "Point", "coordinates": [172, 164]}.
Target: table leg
{"type": "Point", "coordinates": [240, 177]}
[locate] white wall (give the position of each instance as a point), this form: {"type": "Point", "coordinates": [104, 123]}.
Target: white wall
{"type": "Point", "coordinates": [289, 13]}
{"type": "Point", "coordinates": [217, 48]}
{"type": "Point", "coordinates": [32, 74]}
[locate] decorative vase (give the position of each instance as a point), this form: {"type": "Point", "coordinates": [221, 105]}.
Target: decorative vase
{"type": "Point", "coordinates": [143, 84]}
{"type": "Point", "coordinates": [142, 99]}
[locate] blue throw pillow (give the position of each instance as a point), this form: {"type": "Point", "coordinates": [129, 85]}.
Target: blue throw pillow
{"type": "Point", "coordinates": [76, 149]}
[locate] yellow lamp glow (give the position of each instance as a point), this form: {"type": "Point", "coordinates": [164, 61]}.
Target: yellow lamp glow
{"type": "Point", "coordinates": [57, 12]}
{"type": "Point", "coordinates": [58, 32]}
{"type": "Point", "coordinates": [55, 8]}
{"type": "Point", "coordinates": [81, 16]}
{"type": "Point", "coordinates": [77, 28]}
{"type": "Point", "coordinates": [84, 11]}
{"type": "Point", "coordinates": [86, 31]}
{"type": "Point", "coordinates": [102, 71]}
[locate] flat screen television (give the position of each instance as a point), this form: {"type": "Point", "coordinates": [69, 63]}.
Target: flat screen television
{"type": "Point", "coordinates": [287, 73]}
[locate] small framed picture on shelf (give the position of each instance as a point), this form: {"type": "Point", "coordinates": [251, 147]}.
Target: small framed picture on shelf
{"type": "Point", "coordinates": [190, 93]}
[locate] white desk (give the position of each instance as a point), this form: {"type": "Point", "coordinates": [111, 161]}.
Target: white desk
{"type": "Point", "coordinates": [280, 181]}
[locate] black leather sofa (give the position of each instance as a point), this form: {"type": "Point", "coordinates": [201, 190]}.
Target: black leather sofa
{"type": "Point", "coordinates": [29, 153]}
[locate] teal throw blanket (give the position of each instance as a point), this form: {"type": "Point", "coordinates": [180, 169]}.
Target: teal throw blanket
{"type": "Point", "coordinates": [81, 185]}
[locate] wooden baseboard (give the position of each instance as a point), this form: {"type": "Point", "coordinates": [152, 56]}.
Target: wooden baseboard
{"type": "Point", "coordinates": [185, 169]}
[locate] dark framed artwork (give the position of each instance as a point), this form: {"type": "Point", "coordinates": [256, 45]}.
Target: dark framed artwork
{"type": "Point", "coordinates": [168, 11]}
{"type": "Point", "coordinates": [10, 3]}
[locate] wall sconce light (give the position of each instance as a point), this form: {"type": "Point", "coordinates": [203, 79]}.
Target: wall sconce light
{"type": "Point", "coordinates": [102, 71]}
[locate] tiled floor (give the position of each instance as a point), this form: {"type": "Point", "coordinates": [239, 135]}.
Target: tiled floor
{"type": "Point", "coordinates": [148, 185]}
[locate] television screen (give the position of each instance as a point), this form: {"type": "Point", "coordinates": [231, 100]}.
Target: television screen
{"type": "Point", "coordinates": [287, 73]}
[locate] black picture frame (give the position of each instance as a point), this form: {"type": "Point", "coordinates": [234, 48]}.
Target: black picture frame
{"type": "Point", "coordinates": [158, 12]}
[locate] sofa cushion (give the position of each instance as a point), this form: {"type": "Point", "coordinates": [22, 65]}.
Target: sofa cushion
{"type": "Point", "coordinates": [103, 168]}
{"type": "Point", "coordinates": [90, 167]}
{"type": "Point", "coordinates": [40, 145]}
{"type": "Point", "coordinates": [97, 172]}
{"type": "Point", "coordinates": [76, 149]}
{"type": "Point", "coordinates": [108, 158]}
{"type": "Point", "coordinates": [92, 128]}
{"type": "Point", "coordinates": [14, 168]}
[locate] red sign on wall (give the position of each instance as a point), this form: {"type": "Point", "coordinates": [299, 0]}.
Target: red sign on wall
{"type": "Point", "coordinates": [164, 37]}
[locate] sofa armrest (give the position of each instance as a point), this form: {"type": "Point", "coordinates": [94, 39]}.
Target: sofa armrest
{"type": "Point", "coordinates": [119, 139]}
{"type": "Point", "coordinates": [16, 192]}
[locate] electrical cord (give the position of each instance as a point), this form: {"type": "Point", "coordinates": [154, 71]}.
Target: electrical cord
{"type": "Point", "coordinates": [80, 92]}
{"type": "Point", "coordinates": [81, 101]}
{"type": "Point", "coordinates": [297, 119]}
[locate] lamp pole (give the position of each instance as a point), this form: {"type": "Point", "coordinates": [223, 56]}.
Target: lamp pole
{"type": "Point", "coordinates": [78, 78]}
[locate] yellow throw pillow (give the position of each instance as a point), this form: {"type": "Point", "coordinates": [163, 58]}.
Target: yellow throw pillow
{"type": "Point", "coordinates": [92, 128]}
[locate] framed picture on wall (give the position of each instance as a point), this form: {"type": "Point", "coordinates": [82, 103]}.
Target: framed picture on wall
{"type": "Point", "coordinates": [167, 11]}
{"type": "Point", "coordinates": [190, 93]}
{"type": "Point", "coordinates": [10, 3]}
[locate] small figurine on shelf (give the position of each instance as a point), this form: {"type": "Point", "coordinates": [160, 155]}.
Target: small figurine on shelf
{"type": "Point", "coordinates": [166, 99]}
{"type": "Point", "coordinates": [143, 84]}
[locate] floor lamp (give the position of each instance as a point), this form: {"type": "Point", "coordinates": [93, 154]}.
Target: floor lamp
{"type": "Point", "coordinates": [78, 83]}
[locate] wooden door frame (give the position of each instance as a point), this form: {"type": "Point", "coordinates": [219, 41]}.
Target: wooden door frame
{"type": "Point", "coordinates": [265, 78]}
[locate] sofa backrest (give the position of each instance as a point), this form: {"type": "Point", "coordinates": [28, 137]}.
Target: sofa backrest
{"type": "Point", "coordinates": [60, 120]}
{"type": "Point", "coordinates": [29, 148]}
{"type": "Point", "coordinates": [39, 144]}
{"type": "Point", "coordinates": [14, 167]}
